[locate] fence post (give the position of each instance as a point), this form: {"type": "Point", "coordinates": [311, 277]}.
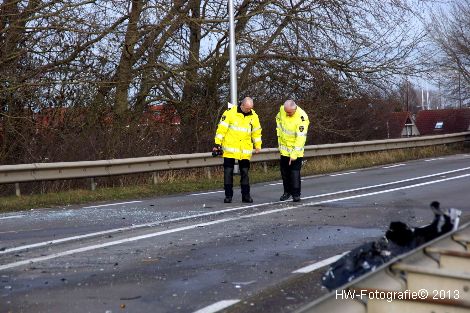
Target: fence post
{"type": "Point", "coordinates": [466, 142]}
{"type": "Point", "coordinates": [208, 172]}
{"type": "Point", "coordinates": [265, 167]}
{"type": "Point", "coordinates": [93, 184]}
{"type": "Point", "coordinates": [155, 178]}
{"type": "Point", "coordinates": [17, 190]}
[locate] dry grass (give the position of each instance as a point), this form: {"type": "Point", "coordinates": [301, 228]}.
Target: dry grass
{"type": "Point", "coordinates": [330, 164]}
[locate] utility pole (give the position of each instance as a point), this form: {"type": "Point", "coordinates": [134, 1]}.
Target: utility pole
{"type": "Point", "coordinates": [422, 98]}
{"type": "Point", "coordinates": [233, 59]}
{"type": "Point", "coordinates": [427, 97]}
{"type": "Point", "coordinates": [407, 96]}
{"type": "Point", "coordinates": [460, 95]}
{"type": "Point", "coordinates": [233, 65]}
{"type": "Point", "coordinates": [440, 99]}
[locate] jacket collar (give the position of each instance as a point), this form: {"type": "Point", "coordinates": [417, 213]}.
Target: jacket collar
{"type": "Point", "coordinates": [239, 110]}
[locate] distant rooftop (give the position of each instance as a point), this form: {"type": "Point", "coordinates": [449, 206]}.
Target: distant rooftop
{"type": "Point", "coordinates": [445, 121]}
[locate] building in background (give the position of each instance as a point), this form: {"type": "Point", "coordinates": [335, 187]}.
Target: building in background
{"type": "Point", "coordinates": [435, 122]}
{"type": "Point", "coordinates": [401, 124]}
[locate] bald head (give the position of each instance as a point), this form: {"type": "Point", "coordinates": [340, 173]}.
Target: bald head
{"type": "Point", "coordinates": [290, 107]}
{"type": "Point", "coordinates": [247, 101]}
{"type": "Point", "coordinates": [246, 105]}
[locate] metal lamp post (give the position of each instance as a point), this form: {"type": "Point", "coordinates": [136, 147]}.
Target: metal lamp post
{"type": "Point", "coordinates": [460, 94]}
{"type": "Point", "coordinates": [233, 61]}
{"type": "Point", "coordinates": [233, 65]}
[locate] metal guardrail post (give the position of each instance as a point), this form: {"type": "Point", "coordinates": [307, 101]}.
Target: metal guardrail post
{"type": "Point", "coordinates": [466, 142]}
{"type": "Point", "coordinates": [17, 190]}
{"type": "Point", "coordinates": [93, 184]}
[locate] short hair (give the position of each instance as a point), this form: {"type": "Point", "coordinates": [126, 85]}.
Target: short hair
{"type": "Point", "coordinates": [290, 104]}
{"type": "Point", "coordinates": [247, 100]}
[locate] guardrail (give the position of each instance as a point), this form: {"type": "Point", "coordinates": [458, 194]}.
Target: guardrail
{"type": "Point", "coordinates": [83, 169]}
{"type": "Point", "coordinates": [433, 278]}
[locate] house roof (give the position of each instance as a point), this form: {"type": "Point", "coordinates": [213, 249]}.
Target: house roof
{"type": "Point", "coordinates": [453, 121]}
{"type": "Point", "coordinates": [396, 123]}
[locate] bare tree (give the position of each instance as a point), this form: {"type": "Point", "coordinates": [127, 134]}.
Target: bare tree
{"type": "Point", "coordinates": [124, 69]}
{"type": "Point", "coordinates": [112, 56]}
{"type": "Point", "coordinates": [450, 31]}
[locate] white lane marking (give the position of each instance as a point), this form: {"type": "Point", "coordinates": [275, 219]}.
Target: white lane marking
{"type": "Point", "coordinates": [115, 230]}
{"type": "Point", "coordinates": [392, 166]}
{"type": "Point", "coordinates": [387, 184]}
{"type": "Point", "coordinates": [204, 193]}
{"type": "Point", "coordinates": [110, 204]}
{"type": "Point", "coordinates": [13, 216]}
{"type": "Point", "coordinates": [224, 220]}
{"type": "Point", "coordinates": [429, 160]}
{"type": "Point", "coordinates": [21, 230]}
{"type": "Point", "coordinates": [8, 232]}
{"type": "Point", "coordinates": [216, 307]}
{"type": "Point", "coordinates": [341, 174]}
{"type": "Point", "coordinates": [275, 184]}
{"type": "Point", "coordinates": [317, 265]}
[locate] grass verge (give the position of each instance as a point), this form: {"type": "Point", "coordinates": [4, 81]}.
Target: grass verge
{"type": "Point", "coordinates": [173, 182]}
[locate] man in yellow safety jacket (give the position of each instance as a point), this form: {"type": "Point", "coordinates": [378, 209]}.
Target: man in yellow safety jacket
{"type": "Point", "coordinates": [292, 125]}
{"type": "Point", "coordinates": [238, 132]}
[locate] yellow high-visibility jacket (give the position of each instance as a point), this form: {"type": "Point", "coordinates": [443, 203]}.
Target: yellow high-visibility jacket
{"type": "Point", "coordinates": [292, 132]}
{"type": "Point", "coordinates": [237, 133]}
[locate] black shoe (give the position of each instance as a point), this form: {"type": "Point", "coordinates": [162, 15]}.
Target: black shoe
{"type": "Point", "coordinates": [296, 198]}
{"type": "Point", "coordinates": [228, 200]}
{"type": "Point", "coordinates": [285, 196]}
{"type": "Point", "coordinates": [247, 199]}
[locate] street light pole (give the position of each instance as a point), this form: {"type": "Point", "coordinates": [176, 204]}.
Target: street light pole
{"type": "Point", "coordinates": [233, 61]}
{"type": "Point", "coordinates": [460, 95]}
{"type": "Point", "coordinates": [233, 66]}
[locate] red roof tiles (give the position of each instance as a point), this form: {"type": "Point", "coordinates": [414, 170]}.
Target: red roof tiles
{"type": "Point", "coordinates": [454, 121]}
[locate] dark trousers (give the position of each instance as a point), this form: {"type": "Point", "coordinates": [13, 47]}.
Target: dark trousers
{"type": "Point", "coordinates": [244, 165]}
{"type": "Point", "coordinates": [291, 175]}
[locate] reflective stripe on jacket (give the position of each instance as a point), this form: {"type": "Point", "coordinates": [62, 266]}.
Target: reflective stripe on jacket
{"type": "Point", "coordinates": [237, 133]}
{"type": "Point", "coordinates": [292, 132]}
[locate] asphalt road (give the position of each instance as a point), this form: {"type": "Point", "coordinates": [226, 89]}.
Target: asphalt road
{"type": "Point", "coordinates": [192, 252]}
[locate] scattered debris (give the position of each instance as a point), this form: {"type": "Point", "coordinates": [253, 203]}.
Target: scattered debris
{"type": "Point", "coordinates": [130, 298]}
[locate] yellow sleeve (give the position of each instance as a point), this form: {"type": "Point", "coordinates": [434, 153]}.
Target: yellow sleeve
{"type": "Point", "coordinates": [278, 124]}
{"type": "Point", "coordinates": [300, 138]}
{"type": "Point", "coordinates": [222, 128]}
{"type": "Point", "coordinates": [256, 133]}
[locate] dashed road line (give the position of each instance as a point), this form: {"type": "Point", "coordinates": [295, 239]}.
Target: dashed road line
{"type": "Point", "coordinates": [317, 265]}
{"type": "Point", "coordinates": [392, 166]}
{"type": "Point", "coordinates": [429, 160]}
{"type": "Point", "coordinates": [205, 193]}
{"type": "Point", "coordinates": [341, 174]}
{"type": "Point", "coordinates": [8, 217]}
{"type": "Point", "coordinates": [218, 306]}
{"type": "Point", "coordinates": [110, 204]}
